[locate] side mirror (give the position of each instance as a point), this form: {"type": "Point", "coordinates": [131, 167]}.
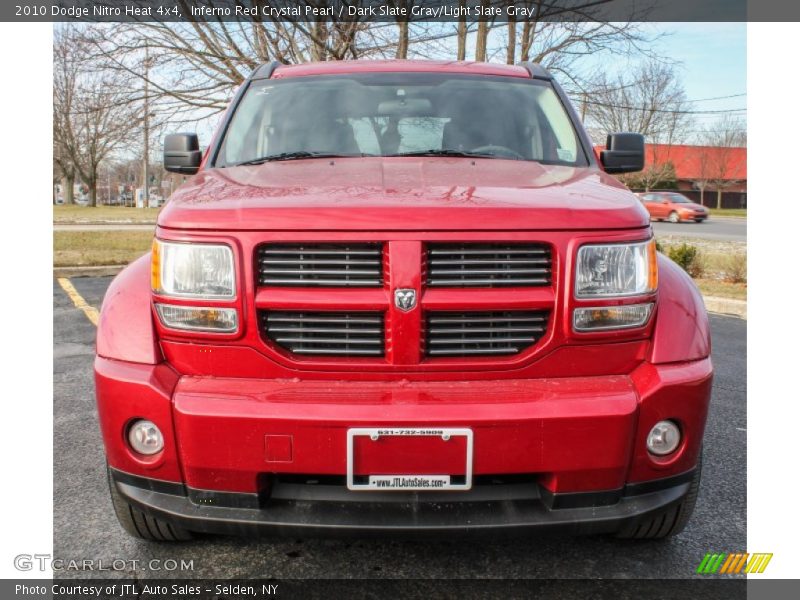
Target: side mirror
{"type": "Point", "coordinates": [182, 153]}
{"type": "Point", "coordinates": [624, 153]}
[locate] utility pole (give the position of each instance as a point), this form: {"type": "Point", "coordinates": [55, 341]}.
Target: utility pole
{"type": "Point", "coordinates": [146, 128]}
{"type": "Point", "coordinates": [584, 106]}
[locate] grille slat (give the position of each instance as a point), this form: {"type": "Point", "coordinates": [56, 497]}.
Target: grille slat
{"type": "Point", "coordinates": [299, 318]}
{"type": "Point", "coordinates": [479, 319]}
{"type": "Point", "coordinates": [483, 333]}
{"type": "Point", "coordinates": [374, 273]}
{"type": "Point", "coordinates": [446, 330]}
{"type": "Point", "coordinates": [487, 282]}
{"type": "Point", "coordinates": [498, 271]}
{"type": "Point", "coordinates": [319, 261]}
{"type": "Point", "coordinates": [442, 249]}
{"type": "Point", "coordinates": [488, 265]}
{"type": "Point", "coordinates": [311, 334]}
{"type": "Point", "coordinates": [320, 265]}
{"type": "Point", "coordinates": [321, 249]}
{"type": "Point", "coordinates": [321, 330]}
{"type": "Point", "coordinates": [492, 261]}
{"type": "Point", "coordinates": [473, 351]}
{"type": "Point", "coordinates": [337, 352]}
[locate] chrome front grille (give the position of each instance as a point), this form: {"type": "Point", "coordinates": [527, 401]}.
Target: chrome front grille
{"type": "Point", "coordinates": [488, 265]}
{"type": "Point", "coordinates": [320, 265]}
{"type": "Point", "coordinates": [339, 334]}
{"type": "Point", "coordinates": [471, 334]}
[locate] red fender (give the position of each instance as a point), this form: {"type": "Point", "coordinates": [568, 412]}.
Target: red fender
{"type": "Point", "coordinates": [681, 333]}
{"type": "Point", "coordinates": [125, 331]}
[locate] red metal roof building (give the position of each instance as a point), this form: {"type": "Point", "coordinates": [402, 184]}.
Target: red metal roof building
{"type": "Point", "coordinates": [694, 164]}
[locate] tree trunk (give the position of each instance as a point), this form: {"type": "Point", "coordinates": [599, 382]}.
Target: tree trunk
{"type": "Point", "coordinates": [318, 50]}
{"type": "Point", "coordinates": [402, 42]}
{"type": "Point", "coordinates": [92, 183]}
{"type": "Point", "coordinates": [483, 35]}
{"type": "Point", "coordinates": [68, 183]}
{"type": "Point", "coordinates": [511, 51]}
{"type": "Point", "coordinates": [719, 198]}
{"type": "Point", "coordinates": [702, 192]}
{"type": "Point", "coordinates": [461, 53]}
{"type": "Point", "coordinates": [480, 42]}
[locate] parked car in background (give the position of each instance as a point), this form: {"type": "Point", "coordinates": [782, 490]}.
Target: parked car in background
{"type": "Point", "coordinates": [673, 207]}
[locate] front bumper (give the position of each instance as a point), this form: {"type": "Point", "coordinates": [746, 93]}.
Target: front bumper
{"type": "Point", "coordinates": [246, 455]}
{"type": "Point", "coordinates": [300, 508]}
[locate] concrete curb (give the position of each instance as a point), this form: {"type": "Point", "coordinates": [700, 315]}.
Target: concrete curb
{"type": "Point", "coordinates": [714, 304]}
{"type": "Point", "coordinates": [100, 271]}
{"type": "Point", "coordinates": [726, 306]}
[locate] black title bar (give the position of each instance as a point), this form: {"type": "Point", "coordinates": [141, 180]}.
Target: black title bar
{"type": "Point", "coordinates": [374, 11]}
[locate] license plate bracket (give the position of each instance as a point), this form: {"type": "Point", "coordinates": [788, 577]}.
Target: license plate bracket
{"type": "Point", "coordinates": [409, 481]}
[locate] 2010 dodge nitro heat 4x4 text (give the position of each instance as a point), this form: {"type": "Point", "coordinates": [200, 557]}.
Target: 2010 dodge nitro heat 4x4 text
{"type": "Point", "coordinates": [402, 296]}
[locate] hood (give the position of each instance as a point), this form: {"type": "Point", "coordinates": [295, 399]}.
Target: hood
{"type": "Point", "coordinates": [403, 194]}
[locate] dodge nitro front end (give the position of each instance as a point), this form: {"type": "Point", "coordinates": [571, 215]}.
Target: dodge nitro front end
{"type": "Point", "coordinates": [402, 297]}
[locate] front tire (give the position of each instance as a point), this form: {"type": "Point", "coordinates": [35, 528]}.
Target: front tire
{"type": "Point", "coordinates": [669, 522]}
{"type": "Point", "coordinates": [673, 217]}
{"type": "Point", "coordinates": [141, 525]}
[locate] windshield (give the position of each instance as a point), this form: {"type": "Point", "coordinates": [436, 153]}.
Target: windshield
{"type": "Point", "coordinates": [390, 114]}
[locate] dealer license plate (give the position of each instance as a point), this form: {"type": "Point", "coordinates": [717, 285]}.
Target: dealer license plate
{"type": "Point", "coordinates": [409, 459]}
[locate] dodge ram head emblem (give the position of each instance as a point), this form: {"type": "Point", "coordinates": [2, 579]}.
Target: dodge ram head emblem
{"type": "Point", "coordinates": [405, 299]}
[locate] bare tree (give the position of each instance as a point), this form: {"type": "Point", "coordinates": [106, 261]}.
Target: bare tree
{"type": "Point", "coordinates": [65, 78]}
{"type": "Point", "coordinates": [725, 136]}
{"type": "Point", "coordinates": [704, 171]}
{"type": "Point", "coordinates": [91, 118]}
{"type": "Point", "coordinates": [197, 65]}
{"type": "Point", "coordinates": [562, 33]}
{"type": "Point", "coordinates": [650, 101]}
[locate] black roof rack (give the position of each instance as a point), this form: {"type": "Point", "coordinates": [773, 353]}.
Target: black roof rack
{"type": "Point", "coordinates": [536, 70]}
{"type": "Point", "coordinates": [264, 71]}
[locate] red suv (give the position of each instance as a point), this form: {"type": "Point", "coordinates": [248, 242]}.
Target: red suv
{"type": "Point", "coordinates": [402, 297]}
{"type": "Point", "coordinates": [673, 207]}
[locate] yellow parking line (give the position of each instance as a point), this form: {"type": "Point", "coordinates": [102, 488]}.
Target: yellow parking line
{"type": "Point", "coordinates": [90, 311]}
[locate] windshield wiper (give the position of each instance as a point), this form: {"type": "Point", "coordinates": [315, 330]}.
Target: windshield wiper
{"type": "Point", "coordinates": [446, 152]}
{"type": "Point", "coordinates": [296, 156]}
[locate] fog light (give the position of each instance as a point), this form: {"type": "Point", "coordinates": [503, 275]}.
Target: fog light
{"type": "Point", "coordinates": [145, 438]}
{"type": "Point", "coordinates": [611, 317]}
{"type": "Point", "coordinates": [197, 318]}
{"type": "Point", "coordinates": [663, 438]}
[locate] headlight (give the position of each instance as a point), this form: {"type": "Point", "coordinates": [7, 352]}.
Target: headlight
{"type": "Point", "coordinates": [192, 270]}
{"type": "Point", "coordinates": [616, 270]}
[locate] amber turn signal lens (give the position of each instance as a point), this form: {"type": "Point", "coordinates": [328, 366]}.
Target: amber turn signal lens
{"type": "Point", "coordinates": [652, 260]}
{"type": "Point", "coordinates": [155, 267]}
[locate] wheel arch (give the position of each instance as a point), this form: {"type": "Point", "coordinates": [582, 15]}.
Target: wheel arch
{"type": "Point", "coordinates": [126, 330]}
{"type": "Point", "coordinates": [682, 332]}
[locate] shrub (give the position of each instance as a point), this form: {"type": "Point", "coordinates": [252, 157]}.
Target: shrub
{"type": "Point", "coordinates": [734, 269]}
{"type": "Point", "coordinates": [688, 258]}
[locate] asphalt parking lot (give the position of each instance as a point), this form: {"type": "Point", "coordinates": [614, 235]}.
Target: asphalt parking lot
{"type": "Point", "coordinates": [718, 229]}
{"type": "Point", "coordinates": [85, 527]}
